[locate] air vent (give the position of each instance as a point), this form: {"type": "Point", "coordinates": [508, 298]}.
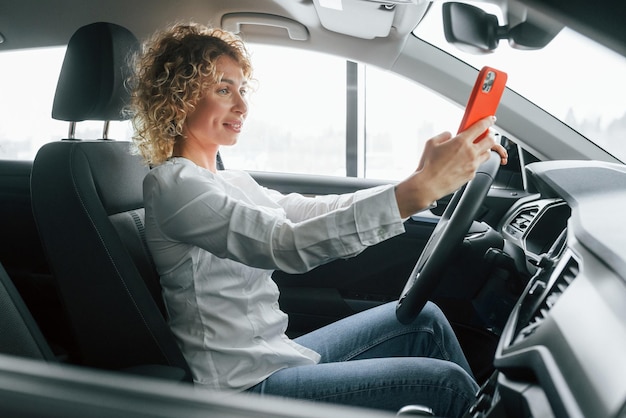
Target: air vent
{"type": "Point", "coordinates": [562, 282]}
{"type": "Point", "coordinates": [522, 220]}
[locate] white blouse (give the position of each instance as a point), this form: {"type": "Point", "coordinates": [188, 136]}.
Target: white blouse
{"type": "Point", "coordinates": [216, 238]}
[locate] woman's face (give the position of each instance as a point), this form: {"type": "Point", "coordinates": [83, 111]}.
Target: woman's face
{"type": "Point", "coordinates": [219, 115]}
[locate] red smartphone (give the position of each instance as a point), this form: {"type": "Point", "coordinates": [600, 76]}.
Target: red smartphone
{"type": "Point", "coordinates": [484, 98]}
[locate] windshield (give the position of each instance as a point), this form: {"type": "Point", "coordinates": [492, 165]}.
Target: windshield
{"type": "Point", "coordinates": [573, 78]}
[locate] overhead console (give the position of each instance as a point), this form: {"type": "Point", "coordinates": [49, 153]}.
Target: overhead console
{"type": "Point", "coordinates": [348, 16]}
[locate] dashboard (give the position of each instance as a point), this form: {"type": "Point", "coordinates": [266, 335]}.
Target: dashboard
{"type": "Point", "coordinates": [562, 352]}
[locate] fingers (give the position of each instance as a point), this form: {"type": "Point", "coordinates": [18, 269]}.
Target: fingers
{"type": "Point", "coordinates": [504, 155]}
{"type": "Point", "coordinates": [495, 146]}
{"type": "Point", "coordinates": [478, 131]}
{"type": "Point", "coordinates": [430, 144]}
{"type": "Point", "coordinates": [442, 137]}
{"type": "Point", "coordinates": [483, 136]}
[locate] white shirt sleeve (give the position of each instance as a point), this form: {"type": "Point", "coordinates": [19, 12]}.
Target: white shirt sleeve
{"type": "Point", "coordinates": [295, 234]}
{"type": "Point", "coordinates": [299, 208]}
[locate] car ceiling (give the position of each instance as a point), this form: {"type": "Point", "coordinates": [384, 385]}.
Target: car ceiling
{"type": "Point", "coordinates": [30, 23]}
{"type": "Point", "coordinates": [36, 23]}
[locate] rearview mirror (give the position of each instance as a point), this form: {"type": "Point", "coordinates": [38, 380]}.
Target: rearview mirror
{"type": "Point", "coordinates": [469, 28]}
{"type": "Point", "coordinates": [473, 30]}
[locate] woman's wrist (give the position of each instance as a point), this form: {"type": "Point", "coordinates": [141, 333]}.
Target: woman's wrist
{"type": "Point", "coordinates": [411, 198]}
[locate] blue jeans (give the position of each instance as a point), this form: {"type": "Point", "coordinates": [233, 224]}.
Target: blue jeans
{"type": "Point", "coordinates": [371, 360]}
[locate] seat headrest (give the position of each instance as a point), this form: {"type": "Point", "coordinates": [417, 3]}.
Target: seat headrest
{"type": "Point", "coordinates": [92, 83]}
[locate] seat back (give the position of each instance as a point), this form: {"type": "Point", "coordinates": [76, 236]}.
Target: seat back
{"type": "Point", "coordinates": [88, 205]}
{"type": "Point", "coordinates": [19, 333]}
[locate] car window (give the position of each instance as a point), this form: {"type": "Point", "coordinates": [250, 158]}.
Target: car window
{"type": "Point", "coordinates": [595, 107]}
{"type": "Point", "coordinates": [400, 117]}
{"type": "Point", "coordinates": [297, 120]}
{"type": "Point", "coordinates": [28, 82]}
{"type": "Point", "coordinates": [297, 117]}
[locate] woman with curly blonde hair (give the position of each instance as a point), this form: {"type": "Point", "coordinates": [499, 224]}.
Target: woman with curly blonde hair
{"type": "Point", "coordinates": [171, 77]}
{"type": "Point", "coordinates": [216, 236]}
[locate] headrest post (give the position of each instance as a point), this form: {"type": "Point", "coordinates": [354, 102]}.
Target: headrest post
{"type": "Point", "coordinates": [71, 132]}
{"type": "Point", "coordinates": [105, 130]}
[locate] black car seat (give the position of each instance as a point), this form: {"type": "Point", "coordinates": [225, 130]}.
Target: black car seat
{"type": "Point", "coordinates": [19, 333]}
{"type": "Point", "coordinates": [88, 206]}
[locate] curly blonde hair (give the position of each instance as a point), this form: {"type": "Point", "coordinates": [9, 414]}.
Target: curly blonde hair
{"type": "Point", "coordinates": [173, 71]}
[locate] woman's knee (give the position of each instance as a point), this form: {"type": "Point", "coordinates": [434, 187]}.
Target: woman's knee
{"type": "Point", "coordinates": [433, 311]}
{"type": "Point", "coordinates": [430, 313]}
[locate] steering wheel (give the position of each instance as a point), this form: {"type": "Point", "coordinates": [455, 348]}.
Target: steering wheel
{"type": "Point", "coordinates": [446, 237]}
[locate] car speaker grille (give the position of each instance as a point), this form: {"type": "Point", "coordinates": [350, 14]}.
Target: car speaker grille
{"type": "Point", "coordinates": [562, 282]}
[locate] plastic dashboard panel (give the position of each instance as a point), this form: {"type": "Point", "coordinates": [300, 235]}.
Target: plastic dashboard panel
{"type": "Point", "coordinates": [563, 350]}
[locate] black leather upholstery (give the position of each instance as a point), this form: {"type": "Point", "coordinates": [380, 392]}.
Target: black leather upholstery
{"type": "Point", "coordinates": [91, 85]}
{"type": "Point", "coordinates": [19, 333]}
{"type": "Point", "coordinates": [88, 205]}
